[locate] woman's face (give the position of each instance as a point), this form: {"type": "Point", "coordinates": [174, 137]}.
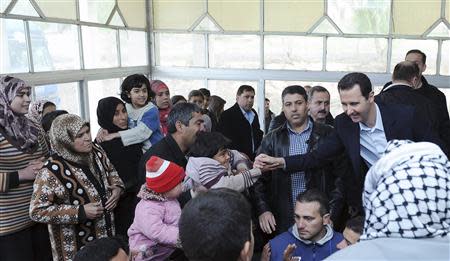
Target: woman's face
{"type": "Point", "coordinates": [83, 141]}
{"type": "Point", "coordinates": [120, 118]}
{"type": "Point", "coordinates": [162, 98]}
{"type": "Point", "coordinates": [21, 102]}
{"type": "Point", "coordinates": [223, 157]}
{"type": "Point", "coordinates": [139, 96]}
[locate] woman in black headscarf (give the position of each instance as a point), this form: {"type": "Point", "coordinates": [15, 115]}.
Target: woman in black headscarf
{"type": "Point", "coordinates": [112, 116]}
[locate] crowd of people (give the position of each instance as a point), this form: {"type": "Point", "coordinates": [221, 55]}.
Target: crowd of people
{"type": "Point", "coordinates": [180, 178]}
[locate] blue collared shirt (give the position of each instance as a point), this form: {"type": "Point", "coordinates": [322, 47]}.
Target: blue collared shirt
{"type": "Point", "coordinates": [250, 116]}
{"type": "Point", "coordinates": [372, 140]}
{"type": "Point", "coordinates": [298, 145]}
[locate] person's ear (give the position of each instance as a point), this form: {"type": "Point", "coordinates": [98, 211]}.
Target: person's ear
{"type": "Point", "coordinates": [371, 96]}
{"type": "Point", "coordinates": [326, 219]}
{"type": "Point", "coordinates": [245, 252]}
{"type": "Point", "coordinates": [179, 126]}
{"type": "Point", "coordinates": [424, 67]}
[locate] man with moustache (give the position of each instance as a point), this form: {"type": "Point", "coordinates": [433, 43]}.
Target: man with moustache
{"type": "Point", "coordinates": [319, 105]}
{"type": "Point", "coordinates": [274, 194]}
{"type": "Point", "coordinates": [362, 132]}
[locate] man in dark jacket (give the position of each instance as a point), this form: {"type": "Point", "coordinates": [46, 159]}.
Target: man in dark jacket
{"type": "Point", "coordinates": [401, 91]}
{"type": "Point", "coordinates": [433, 94]}
{"type": "Point", "coordinates": [240, 123]}
{"type": "Point", "coordinates": [184, 123]}
{"type": "Point", "coordinates": [362, 133]}
{"type": "Point", "coordinates": [274, 195]}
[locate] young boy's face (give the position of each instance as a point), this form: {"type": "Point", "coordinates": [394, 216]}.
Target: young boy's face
{"type": "Point", "coordinates": [223, 157]}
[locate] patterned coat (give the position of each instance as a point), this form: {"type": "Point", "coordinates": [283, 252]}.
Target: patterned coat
{"type": "Point", "coordinates": [60, 188]}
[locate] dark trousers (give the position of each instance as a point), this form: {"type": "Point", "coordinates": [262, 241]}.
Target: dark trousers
{"type": "Point", "coordinates": [124, 213]}
{"type": "Point", "coordinates": [31, 244]}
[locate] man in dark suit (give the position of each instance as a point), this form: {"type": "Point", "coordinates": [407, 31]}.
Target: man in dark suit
{"type": "Point", "coordinates": [362, 132]}
{"type": "Point", "coordinates": [402, 91]}
{"type": "Point", "coordinates": [240, 123]}
{"type": "Point", "coordinates": [432, 93]}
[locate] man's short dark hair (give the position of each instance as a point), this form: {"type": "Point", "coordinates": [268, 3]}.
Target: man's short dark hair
{"type": "Point", "coordinates": [245, 88]}
{"type": "Point", "coordinates": [181, 112]}
{"type": "Point", "coordinates": [315, 195]}
{"type": "Point", "coordinates": [102, 249]}
{"type": "Point", "coordinates": [214, 226]}
{"type": "Point", "coordinates": [195, 93]}
{"type": "Point", "coordinates": [424, 56]}
{"type": "Point", "coordinates": [356, 224]}
{"type": "Point", "coordinates": [205, 92]}
{"type": "Point", "coordinates": [266, 99]}
{"type": "Point", "coordinates": [348, 81]}
{"type": "Point", "coordinates": [405, 71]}
{"type": "Point", "coordinates": [317, 88]}
{"type": "Point", "coordinates": [135, 81]}
{"type": "Point", "coordinates": [294, 89]}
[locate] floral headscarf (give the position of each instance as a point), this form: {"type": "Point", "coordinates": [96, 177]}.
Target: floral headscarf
{"type": "Point", "coordinates": [16, 128]}
{"type": "Point", "coordinates": [62, 135]}
{"type": "Point", "coordinates": [36, 109]}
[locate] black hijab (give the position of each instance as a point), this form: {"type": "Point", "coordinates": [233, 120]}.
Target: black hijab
{"type": "Point", "coordinates": [105, 113]}
{"type": "Point", "coordinates": [124, 158]}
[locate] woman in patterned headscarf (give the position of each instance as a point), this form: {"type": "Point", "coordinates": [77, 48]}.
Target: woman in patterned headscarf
{"type": "Point", "coordinates": [76, 190]}
{"type": "Point", "coordinates": [407, 204]}
{"type": "Point", "coordinates": [39, 109]}
{"type": "Point", "coordinates": [22, 151]}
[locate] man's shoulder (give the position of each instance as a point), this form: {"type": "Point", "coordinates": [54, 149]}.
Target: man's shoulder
{"type": "Point", "coordinates": [159, 149]}
{"type": "Point", "coordinates": [388, 109]}
{"type": "Point", "coordinates": [282, 240]}
{"type": "Point", "coordinates": [322, 129]}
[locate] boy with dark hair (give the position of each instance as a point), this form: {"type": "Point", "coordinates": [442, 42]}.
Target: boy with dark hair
{"type": "Point", "coordinates": [104, 249]}
{"type": "Point", "coordinates": [216, 226]}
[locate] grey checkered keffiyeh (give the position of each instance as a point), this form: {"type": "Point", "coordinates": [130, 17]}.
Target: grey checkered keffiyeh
{"type": "Point", "coordinates": [407, 192]}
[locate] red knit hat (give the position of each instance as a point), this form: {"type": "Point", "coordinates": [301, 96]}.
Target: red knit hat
{"type": "Point", "coordinates": [162, 175]}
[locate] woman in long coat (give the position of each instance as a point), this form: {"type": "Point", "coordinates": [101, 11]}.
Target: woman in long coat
{"type": "Point", "coordinates": [76, 190]}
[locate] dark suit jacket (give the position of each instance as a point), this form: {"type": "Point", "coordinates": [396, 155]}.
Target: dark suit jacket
{"type": "Point", "coordinates": [399, 122]}
{"type": "Point", "coordinates": [235, 126]}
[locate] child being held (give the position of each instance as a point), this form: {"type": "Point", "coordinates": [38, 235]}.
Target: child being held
{"type": "Point", "coordinates": [154, 232]}
{"type": "Point", "coordinates": [212, 165]}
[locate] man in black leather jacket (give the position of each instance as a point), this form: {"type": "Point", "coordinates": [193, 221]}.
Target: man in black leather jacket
{"type": "Point", "coordinates": [272, 194]}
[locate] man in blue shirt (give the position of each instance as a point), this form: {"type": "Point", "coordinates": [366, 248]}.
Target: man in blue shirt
{"type": "Point", "coordinates": [312, 237]}
{"type": "Point", "coordinates": [240, 123]}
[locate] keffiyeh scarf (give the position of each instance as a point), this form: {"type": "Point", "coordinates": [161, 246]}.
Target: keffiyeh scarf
{"type": "Point", "coordinates": [407, 192]}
